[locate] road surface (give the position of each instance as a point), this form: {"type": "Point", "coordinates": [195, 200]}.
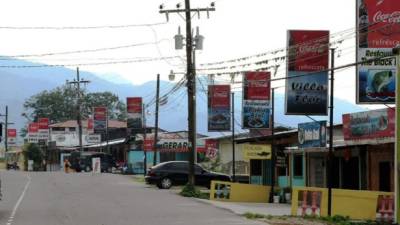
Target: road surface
{"type": "Point", "coordinates": [56, 198]}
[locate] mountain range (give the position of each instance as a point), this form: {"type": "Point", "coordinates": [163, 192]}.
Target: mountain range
{"type": "Point", "coordinates": [18, 84]}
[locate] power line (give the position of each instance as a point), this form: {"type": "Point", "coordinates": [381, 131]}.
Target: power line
{"type": "Point", "coordinates": [87, 64]}
{"type": "Point", "coordinates": [80, 27]}
{"type": "Point", "coordinates": [85, 51]}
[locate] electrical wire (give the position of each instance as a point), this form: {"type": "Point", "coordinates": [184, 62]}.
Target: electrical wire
{"type": "Point", "coordinates": [81, 27]}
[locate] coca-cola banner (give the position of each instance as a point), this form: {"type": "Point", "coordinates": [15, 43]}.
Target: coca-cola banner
{"type": "Point", "coordinates": [135, 114]}
{"type": "Point", "coordinates": [43, 123]}
{"type": "Point", "coordinates": [369, 125]}
{"type": "Point", "coordinates": [12, 137]}
{"type": "Point", "coordinates": [99, 119]}
{"type": "Point", "coordinates": [219, 107]}
{"type": "Point", "coordinates": [307, 78]}
{"type": "Point", "coordinates": [256, 100]}
{"type": "Point", "coordinates": [378, 25]}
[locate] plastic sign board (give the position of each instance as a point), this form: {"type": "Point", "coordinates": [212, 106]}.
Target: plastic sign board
{"type": "Point", "coordinates": [257, 151]}
{"type": "Point", "coordinates": [99, 119]}
{"type": "Point", "coordinates": [93, 138]}
{"type": "Point", "coordinates": [307, 78]}
{"type": "Point", "coordinates": [96, 165]}
{"type": "Point", "coordinates": [12, 137]}
{"type": "Point", "coordinates": [135, 112]}
{"type": "Point", "coordinates": [373, 124]}
{"type": "Point", "coordinates": [256, 100]}
{"type": "Point", "coordinates": [378, 32]}
{"type": "Point", "coordinates": [219, 107]}
{"type": "Point", "coordinates": [312, 135]}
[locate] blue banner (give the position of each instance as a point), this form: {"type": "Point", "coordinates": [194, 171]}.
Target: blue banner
{"type": "Point", "coordinates": [256, 114]}
{"type": "Point", "coordinates": [312, 135]}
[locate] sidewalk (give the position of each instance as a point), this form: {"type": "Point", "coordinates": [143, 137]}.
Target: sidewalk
{"type": "Point", "coordinates": [259, 208]}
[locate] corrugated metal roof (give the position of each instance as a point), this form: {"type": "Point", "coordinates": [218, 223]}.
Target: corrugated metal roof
{"type": "Point", "coordinates": [74, 123]}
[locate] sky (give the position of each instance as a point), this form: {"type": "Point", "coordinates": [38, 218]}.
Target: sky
{"type": "Point", "coordinates": [237, 28]}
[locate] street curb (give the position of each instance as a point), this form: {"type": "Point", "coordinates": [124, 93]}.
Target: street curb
{"type": "Point", "coordinates": [207, 202]}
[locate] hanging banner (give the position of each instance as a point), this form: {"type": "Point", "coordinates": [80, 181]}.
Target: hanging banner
{"type": "Point", "coordinates": [257, 151]}
{"type": "Point", "coordinates": [99, 119]}
{"type": "Point", "coordinates": [90, 125]}
{"type": "Point", "coordinates": [307, 80]}
{"type": "Point", "coordinates": [256, 100]}
{"type": "Point", "coordinates": [135, 114]}
{"type": "Point", "coordinates": [369, 125]}
{"type": "Point", "coordinates": [219, 108]}
{"type": "Point", "coordinates": [33, 132]}
{"type": "Point", "coordinates": [312, 135]}
{"type": "Point", "coordinates": [378, 25]}
{"type": "Point", "coordinates": [12, 137]}
{"type": "Point", "coordinates": [43, 124]}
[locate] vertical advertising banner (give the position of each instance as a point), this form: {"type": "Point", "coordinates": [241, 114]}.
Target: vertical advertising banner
{"type": "Point", "coordinates": [307, 80]}
{"type": "Point", "coordinates": [12, 137]}
{"type": "Point", "coordinates": [378, 25]}
{"type": "Point", "coordinates": [219, 108]}
{"type": "Point", "coordinates": [99, 119]}
{"type": "Point", "coordinates": [312, 135]}
{"type": "Point", "coordinates": [256, 100]}
{"type": "Point", "coordinates": [43, 124]}
{"type": "Point", "coordinates": [90, 125]}
{"type": "Point", "coordinates": [135, 114]}
{"type": "Point", "coordinates": [33, 133]}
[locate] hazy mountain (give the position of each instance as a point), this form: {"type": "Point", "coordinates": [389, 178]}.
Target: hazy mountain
{"type": "Point", "coordinates": [18, 84]}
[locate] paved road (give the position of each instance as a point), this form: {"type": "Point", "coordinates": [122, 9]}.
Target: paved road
{"type": "Point", "coordinates": [104, 199]}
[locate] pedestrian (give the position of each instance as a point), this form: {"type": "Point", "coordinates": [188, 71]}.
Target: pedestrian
{"type": "Point", "coordinates": [67, 165]}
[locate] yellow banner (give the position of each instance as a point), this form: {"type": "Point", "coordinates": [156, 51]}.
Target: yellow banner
{"type": "Point", "coordinates": [257, 151]}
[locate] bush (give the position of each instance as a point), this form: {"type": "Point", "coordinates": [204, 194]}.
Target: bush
{"type": "Point", "coordinates": [193, 192]}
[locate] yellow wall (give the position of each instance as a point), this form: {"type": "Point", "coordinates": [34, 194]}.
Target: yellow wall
{"type": "Point", "coordinates": [353, 203]}
{"type": "Point", "coordinates": [242, 192]}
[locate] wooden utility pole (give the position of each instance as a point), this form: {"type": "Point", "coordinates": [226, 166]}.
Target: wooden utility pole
{"type": "Point", "coordinates": [191, 79]}
{"type": "Point", "coordinates": [78, 83]}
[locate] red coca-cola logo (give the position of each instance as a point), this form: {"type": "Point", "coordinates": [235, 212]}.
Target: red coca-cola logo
{"type": "Point", "coordinates": [393, 17]}
{"type": "Point", "coordinates": [316, 48]}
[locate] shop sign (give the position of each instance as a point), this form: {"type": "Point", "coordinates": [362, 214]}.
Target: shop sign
{"type": "Point", "coordinates": [257, 151]}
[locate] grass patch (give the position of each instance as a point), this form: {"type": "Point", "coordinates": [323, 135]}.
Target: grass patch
{"type": "Point", "coordinates": [334, 220]}
{"type": "Point", "coordinates": [193, 192]}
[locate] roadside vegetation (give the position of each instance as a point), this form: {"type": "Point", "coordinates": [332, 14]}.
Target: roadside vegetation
{"type": "Point", "coordinates": [307, 220]}
{"type": "Point", "coordinates": [193, 192]}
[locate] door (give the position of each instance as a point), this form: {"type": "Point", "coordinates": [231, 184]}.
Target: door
{"type": "Point", "coordinates": [178, 172]}
{"type": "Point", "coordinates": [317, 172]}
{"type": "Point", "coordinates": [384, 176]}
{"type": "Point", "coordinates": [350, 174]}
{"type": "Point", "coordinates": [201, 178]}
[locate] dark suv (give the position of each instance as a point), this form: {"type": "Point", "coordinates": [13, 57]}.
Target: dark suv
{"type": "Point", "coordinates": [166, 174]}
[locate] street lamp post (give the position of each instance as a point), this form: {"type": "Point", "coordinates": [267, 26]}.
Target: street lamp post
{"type": "Point", "coordinates": [396, 52]}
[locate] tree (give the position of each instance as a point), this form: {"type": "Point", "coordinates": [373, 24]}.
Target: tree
{"type": "Point", "coordinates": [33, 152]}
{"type": "Point", "coordinates": [59, 104]}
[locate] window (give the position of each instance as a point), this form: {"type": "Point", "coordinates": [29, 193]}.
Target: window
{"type": "Point", "coordinates": [181, 166]}
{"type": "Point", "coordinates": [298, 165]}
{"type": "Point", "coordinates": [58, 128]}
{"type": "Point", "coordinates": [197, 169]}
{"type": "Point", "coordinates": [71, 129]}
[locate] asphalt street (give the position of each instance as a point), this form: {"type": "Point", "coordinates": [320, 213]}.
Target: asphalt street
{"type": "Point", "coordinates": [56, 198]}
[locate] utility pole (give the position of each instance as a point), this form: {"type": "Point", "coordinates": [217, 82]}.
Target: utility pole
{"type": "Point", "coordinates": [330, 153]}
{"type": "Point", "coordinates": [6, 130]}
{"type": "Point", "coordinates": [78, 83]}
{"type": "Point", "coordinates": [156, 121]}
{"type": "Point", "coordinates": [107, 132]}
{"type": "Point", "coordinates": [191, 78]}
{"type": "Point", "coordinates": [233, 139]}
{"type": "Point", "coordinates": [144, 139]}
{"type": "Point", "coordinates": [273, 153]}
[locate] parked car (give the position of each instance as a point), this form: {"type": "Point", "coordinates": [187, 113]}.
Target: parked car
{"type": "Point", "coordinates": [83, 161]}
{"type": "Point", "coordinates": [166, 174]}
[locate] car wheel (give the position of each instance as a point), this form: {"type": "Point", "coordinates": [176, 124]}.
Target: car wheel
{"type": "Point", "coordinates": [165, 183]}
{"type": "Point", "coordinates": [88, 169]}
